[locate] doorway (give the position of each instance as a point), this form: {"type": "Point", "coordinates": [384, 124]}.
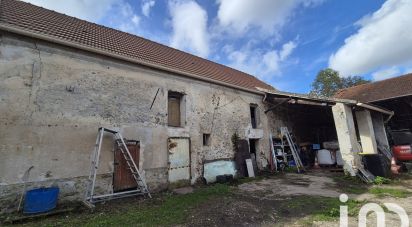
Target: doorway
{"type": "Point", "coordinates": [179, 160]}
{"type": "Point", "coordinates": [253, 148]}
{"type": "Point", "coordinates": [123, 179]}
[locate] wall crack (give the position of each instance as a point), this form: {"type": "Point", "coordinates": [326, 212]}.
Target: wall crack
{"type": "Point", "coordinates": [35, 84]}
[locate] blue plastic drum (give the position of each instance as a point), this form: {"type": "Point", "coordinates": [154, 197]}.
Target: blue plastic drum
{"type": "Point", "coordinates": [40, 200]}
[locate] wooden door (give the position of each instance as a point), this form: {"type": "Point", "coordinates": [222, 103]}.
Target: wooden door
{"type": "Point", "coordinates": [122, 178]}
{"type": "Point", "coordinates": [179, 160]}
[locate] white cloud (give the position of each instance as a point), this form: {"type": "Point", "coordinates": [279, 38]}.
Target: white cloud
{"type": "Point", "coordinates": [189, 23]}
{"type": "Point", "coordinates": [91, 10]}
{"type": "Point", "coordinates": [287, 50]}
{"type": "Point", "coordinates": [136, 20]}
{"type": "Point", "coordinates": [263, 64]}
{"type": "Point", "coordinates": [119, 14]}
{"type": "Point", "coordinates": [124, 18]}
{"type": "Point", "coordinates": [267, 15]}
{"type": "Point", "coordinates": [386, 73]}
{"type": "Point", "coordinates": [383, 40]}
{"type": "Point", "coordinates": [147, 6]}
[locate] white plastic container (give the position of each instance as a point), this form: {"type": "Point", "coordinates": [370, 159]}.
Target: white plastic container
{"type": "Point", "coordinates": [339, 159]}
{"type": "Point", "coordinates": [325, 157]}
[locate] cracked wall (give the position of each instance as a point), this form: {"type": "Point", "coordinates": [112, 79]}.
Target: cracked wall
{"type": "Point", "coordinates": [53, 99]}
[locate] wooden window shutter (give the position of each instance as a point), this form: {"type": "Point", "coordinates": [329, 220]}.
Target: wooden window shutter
{"type": "Point", "coordinates": [174, 111]}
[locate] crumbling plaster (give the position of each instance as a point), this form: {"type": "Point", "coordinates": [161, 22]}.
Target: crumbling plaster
{"type": "Point", "coordinates": [346, 132]}
{"type": "Point", "coordinates": [53, 99]}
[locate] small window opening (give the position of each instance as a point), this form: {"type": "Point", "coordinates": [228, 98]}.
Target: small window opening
{"type": "Point", "coordinates": [253, 115]}
{"type": "Point", "coordinates": [174, 113]}
{"type": "Point", "coordinates": [252, 146]}
{"type": "Point", "coordinates": [206, 139]}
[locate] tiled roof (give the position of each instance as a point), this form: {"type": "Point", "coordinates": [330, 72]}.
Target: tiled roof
{"type": "Point", "coordinates": [37, 20]}
{"type": "Point", "coordinates": [380, 90]}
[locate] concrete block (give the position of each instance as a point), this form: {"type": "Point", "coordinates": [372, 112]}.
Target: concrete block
{"type": "Point", "coordinates": [366, 132]}
{"type": "Point", "coordinates": [249, 166]}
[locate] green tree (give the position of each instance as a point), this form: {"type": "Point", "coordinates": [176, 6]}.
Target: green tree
{"type": "Point", "coordinates": [328, 82]}
{"type": "Point", "coordinates": [353, 81]}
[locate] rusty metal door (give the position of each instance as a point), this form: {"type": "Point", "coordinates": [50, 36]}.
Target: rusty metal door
{"type": "Point", "coordinates": [179, 159]}
{"type": "Point", "coordinates": [122, 177]}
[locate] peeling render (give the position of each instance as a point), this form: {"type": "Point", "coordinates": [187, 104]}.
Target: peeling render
{"type": "Point", "coordinates": [53, 99]}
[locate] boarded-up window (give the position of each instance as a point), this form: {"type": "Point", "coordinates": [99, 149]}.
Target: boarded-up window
{"type": "Point", "coordinates": [174, 109]}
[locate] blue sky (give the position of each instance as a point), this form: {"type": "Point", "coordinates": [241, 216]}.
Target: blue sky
{"type": "Point", "coordinates": [283, 42]}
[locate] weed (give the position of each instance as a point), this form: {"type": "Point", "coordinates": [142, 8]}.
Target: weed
{"type": "Point", "coordinates": [381, 180]}
{"type": "Point", "coordinates": [291, 169]}
{"type": "Point", "coordinates": [394, 192]}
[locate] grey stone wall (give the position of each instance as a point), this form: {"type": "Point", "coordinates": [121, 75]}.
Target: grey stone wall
{"type": "Point", "coordinates": [70, 189]}
{"type": "Point", "coordinates": [53, 99]}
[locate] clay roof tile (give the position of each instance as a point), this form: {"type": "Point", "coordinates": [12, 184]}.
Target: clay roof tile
{"type": "Point", "coordinates": [28, 17]}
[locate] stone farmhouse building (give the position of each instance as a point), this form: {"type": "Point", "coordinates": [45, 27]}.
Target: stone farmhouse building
{"type": "Point", "coordinates": [61, 78]}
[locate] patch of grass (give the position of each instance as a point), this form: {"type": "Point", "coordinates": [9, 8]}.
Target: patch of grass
{"type": "Point", "coordinates": [290, 169]}
{"type": "Point", "coordinates": [381, 180]}
{"type": "Point", "coordinates": [394, 192]}
{"type": "Point", "coordinates": [324, 208]}
{"type": "Point", "coordinates": [172, 210]}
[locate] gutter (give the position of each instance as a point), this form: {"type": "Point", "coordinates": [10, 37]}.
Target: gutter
{"type": "Point", "coordinates": [48, 38]}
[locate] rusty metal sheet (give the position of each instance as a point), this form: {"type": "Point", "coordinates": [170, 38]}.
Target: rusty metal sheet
{"type": "Point", "coordinates": [179, 159]}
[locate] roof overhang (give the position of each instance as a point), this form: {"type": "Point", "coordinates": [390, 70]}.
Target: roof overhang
{"type": "Point", "coordinates": [304, 97]}
{"type": "Point", "coordinates": [294, 98]}
{"type": "Point", "coordinates": [375, 108]}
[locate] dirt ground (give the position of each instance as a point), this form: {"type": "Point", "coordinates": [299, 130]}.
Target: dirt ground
{"type": "Point", "coordinates": [331, 185]}
{"type": "Point", "coordinates": [287, 199]}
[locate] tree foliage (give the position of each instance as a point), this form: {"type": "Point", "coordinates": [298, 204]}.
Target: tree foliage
{"type": "Point", "coordinates": [328, 82]}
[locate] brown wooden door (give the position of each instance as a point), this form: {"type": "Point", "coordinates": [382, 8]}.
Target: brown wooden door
{"type": "Point", "coordinates": [122, 177]}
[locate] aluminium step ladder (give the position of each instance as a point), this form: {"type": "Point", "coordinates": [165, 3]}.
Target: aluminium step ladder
{"type": "Point", "coordinates": [272, 151]}
{"type": "Point", "coordinates": [90, 197]}
{"type": "Point", "coordinates": [293, 147]}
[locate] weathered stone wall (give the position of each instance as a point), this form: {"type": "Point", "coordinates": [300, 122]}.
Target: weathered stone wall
{"type": "Point", "coordinates": [278, 118]}
{"type": "Point", "coordinates": [53, 99]}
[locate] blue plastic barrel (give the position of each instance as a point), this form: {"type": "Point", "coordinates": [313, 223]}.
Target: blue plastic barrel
{"type": "Point", "coordinates": [40, 200]}
{"type": "Point", "coordinates": [292, 163]}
